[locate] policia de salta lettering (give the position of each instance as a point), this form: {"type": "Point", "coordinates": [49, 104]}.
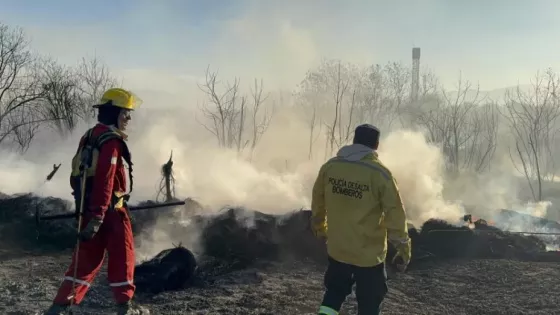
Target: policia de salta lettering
{"type": "Point", "coordinates": [355, 206]}
{"type": "Point", "coordinates": [98, 181]}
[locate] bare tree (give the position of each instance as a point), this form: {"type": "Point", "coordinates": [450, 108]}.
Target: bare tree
{"type": "Point", "coordinates": [239, 125]}
{"type": "Point", "coordinates": [432, 117]}
{"type": "Point", "coordinates": [339, 96]}
{"type": "Point", "coordinates": [485, 122]}
{"type": "Point", "coordinates": [227, 113]}
{"type": "Point", "coordinates": [222, 109]}
{"type": "Point", "coordinates": [27, 125]}
{"type": "Point", "coordinates": [309, 94]}
{"type": "Point", "coordinates": [340, 88]}
{"type": "Point", "coordinates": [312, 113]}
{"type": "Point", "coordinates": [398, 79]}
{"type": "Point", "coordinates": [312, 125]}
{"type": "Point", "coordinates": [37, 91]}
{"type": "Point", "coordinates": [331, 96]}
{"type": "Point", "coordinates": [238, 116]}
{"type": "Point", "coordinates": [94, 78]}
{"type": "Point", "coordinates": [533, 119]}
{"type": "Point", "coordinates": [373, 106]}
{"type": "Point", "coordinates": [70, 92]}
{"type": "Point", "coordinates": [429, 83]}
{"type": "Point", "coordinates": [259, 125]}
{"type": "Point", "coordinates": [465, 128]}
{"type": "Point", "coordinates": [62, 96]}
{"type": "Point", "coordinates": [19, 88]}
{"type": "Point", "coordinates": [461, 123]}
{"type": "Point", "coordinates": [385, 93]}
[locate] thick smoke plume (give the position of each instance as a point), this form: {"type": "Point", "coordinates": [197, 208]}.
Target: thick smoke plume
{"type": "Point", "coordinates": [419, 170]}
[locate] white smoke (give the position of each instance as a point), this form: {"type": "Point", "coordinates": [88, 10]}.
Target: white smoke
{"type": "Point", "coordinates": [419, 170]}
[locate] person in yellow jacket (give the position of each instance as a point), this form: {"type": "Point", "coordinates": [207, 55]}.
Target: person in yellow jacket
{"type": "Point", "coordinates": [356, 206]}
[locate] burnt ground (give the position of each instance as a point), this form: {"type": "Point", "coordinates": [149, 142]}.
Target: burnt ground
{"type": "Point", "coordinates": [29, 281]}
{"type": "Point", "coordinates": [254, 263]}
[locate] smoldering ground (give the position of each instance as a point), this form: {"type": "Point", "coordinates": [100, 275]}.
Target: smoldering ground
{"type": "Point", "coordinates": [252, 262]}
{"type": "Point", "coordinates": [276, 179]}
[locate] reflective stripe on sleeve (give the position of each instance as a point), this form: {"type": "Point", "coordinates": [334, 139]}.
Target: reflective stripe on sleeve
{"type": "Point", "coordinates": [82, 282]}
{"type": "Point", "coordinates": [399, 240]}
{"type": "Point", "coordinates": [325, 310]}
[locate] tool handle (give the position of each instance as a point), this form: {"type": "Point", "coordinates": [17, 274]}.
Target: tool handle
{"type": "Point", "coordinates": [133, 208]}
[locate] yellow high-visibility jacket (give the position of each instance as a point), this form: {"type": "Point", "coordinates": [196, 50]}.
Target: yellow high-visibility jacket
{"type": "Point", "coordinates": [358, 197]}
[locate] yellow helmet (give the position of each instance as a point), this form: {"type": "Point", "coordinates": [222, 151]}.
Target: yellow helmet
{"type": "Point", "coordinates": [120, 98]}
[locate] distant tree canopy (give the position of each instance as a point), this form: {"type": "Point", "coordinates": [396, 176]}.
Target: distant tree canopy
{"type": "Point", "coordinates": [336, 96]}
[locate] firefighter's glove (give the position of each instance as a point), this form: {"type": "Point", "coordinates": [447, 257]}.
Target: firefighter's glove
{"type": "Point", "coordinates": [403, 255]}
{"type": "Point", "coordinates": [319, 228]}
{"type": "Point", "coordinates": [90, 229]}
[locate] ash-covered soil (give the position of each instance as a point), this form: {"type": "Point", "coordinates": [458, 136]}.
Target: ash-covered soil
{"type": "Point", "coordinates": [29, 280]}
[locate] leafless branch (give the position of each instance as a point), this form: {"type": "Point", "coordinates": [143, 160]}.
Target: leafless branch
{"type": "Point", "coordinates": [463, 125]}
{"type": "Point", "coordinates": [19, 88]}
{"type": "Point", "coordinates": [93, 78]}
{"type": "Point", "coordinates": [227, 113]}
{"type": "Point", "coordinates": [533, 120]}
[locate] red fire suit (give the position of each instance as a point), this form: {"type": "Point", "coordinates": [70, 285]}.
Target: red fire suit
{"type": "Point", "coordinates": [114, 235]}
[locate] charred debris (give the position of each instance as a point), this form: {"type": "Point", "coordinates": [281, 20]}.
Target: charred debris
{"type": "Point", "coordinates": [238, 238]}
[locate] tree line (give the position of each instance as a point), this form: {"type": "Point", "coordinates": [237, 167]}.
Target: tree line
{"type": "Point", "coordinates": [466, 124]}
{"type": "Point", "coordinates": [36, 91]}
{"type": "Point", "coordinates": [333, 97]}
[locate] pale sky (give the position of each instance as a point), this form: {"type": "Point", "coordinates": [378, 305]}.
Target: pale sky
{"type": "Point", "coordinates": [163, 45]}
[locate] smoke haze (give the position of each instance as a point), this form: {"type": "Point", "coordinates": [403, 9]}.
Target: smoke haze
{"type": "Point", "coordinates": [279, 42]}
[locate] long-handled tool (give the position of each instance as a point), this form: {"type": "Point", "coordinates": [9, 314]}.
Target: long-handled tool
{"type": "Point", "coordinates": [39, 218]}
{"type": "Point", "coordinates": [77, 252]}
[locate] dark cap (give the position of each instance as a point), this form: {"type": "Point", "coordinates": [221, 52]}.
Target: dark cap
{"type": "Point", "coordinates": [106, 104]}
{"type": "Point", "coordinates": [367, 135]}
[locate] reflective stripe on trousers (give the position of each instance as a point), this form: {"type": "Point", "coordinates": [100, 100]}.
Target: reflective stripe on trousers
{"type": "Point", "coordinates": [325, 310]}
{"type": "Point", "coordinates": [78, 281]}
{"type": "Point", "coordinates": [120, 284]}
{"type": "Point", "coordinates": [114, 284]}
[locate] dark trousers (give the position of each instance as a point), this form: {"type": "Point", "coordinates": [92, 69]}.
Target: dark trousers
{"type": "Point", "coordinates": [371, 286]}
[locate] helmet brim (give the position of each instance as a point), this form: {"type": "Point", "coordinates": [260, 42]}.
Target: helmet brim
{"type": "Point", "coordinates": [109, 105]}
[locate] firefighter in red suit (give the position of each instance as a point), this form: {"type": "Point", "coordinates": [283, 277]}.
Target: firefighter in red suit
{"type": "Point", "coordinates": [106, 223]}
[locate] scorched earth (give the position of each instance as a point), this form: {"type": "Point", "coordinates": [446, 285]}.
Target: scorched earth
{"type": "Point", "coordinates": [274, 266]}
